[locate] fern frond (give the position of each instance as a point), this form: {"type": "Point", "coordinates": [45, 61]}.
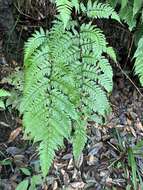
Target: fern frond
{"type": "Point", "coordinates": [139, 61]}
{"type": "Point", "coordinates": [106, 76]}
{"type": "Point", "coordinates": [79, 138]}
{"type": "Point", "coordinates": [127, 16]}
{"type": "Point", "coordinates": [137, 6]}
{"type": "Point", "coordinates": [110, 51]}
{"type": "Point", "coordinates": [64, 7]}
{"type": "Point", "coordinates": [75, 3]}
{"type": "Point", "coordinates": [38, 38]}
{"type": "Point", "coordinates": [46, 150]}
{"type": "Point", "coordinates": [99, 10]}
{"type": "Point", "coordinates": [49, 99]}
{"type": "Point", "coordinates": [92, 36]}
{"type": "Point", "coordinates": [124, 3]}
{"type": "Point", "coordinates": [4, 93]}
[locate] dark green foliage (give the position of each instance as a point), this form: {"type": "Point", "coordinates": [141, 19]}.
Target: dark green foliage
{"type": "Point", "coordinates": [131, 12]}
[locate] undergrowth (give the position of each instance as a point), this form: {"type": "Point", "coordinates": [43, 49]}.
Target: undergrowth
{"type": "Point", "coordinates": [131, 13]}
{"type": "Point", "coordinates": [68, 77]}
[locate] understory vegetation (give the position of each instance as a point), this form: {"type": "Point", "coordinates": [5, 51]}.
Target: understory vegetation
{"type": "Point", "coordinates": [67, 80]}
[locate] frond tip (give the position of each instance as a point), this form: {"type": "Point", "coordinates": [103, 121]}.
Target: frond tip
{"type": "Point", "coordinates": [79, 139]}
{"type": "Point", "coordinates": [99, 10]}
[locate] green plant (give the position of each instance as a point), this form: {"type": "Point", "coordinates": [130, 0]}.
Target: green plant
{"type": "Point", "coordinates": [3, 95]}
{"type": "Point", "coordinates": [16, 81]}
{"type": "Point", "coordinates": [139, 60]}
{"type": "Point", "coordinates": [67, 81]}
{"type": "Point", "coordinates": [128, 159]}
{"type": "Point", "coordinates": [31, 182]}
{"type": "Point", "coordinates": [131, 12]}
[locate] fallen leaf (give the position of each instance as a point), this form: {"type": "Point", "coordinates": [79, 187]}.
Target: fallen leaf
{"type": "Point", "coordinates": [133, 131]}
{"type": "Point", "coordinates": [55, 185]}
{"type": "Point", "coordinates": [77, 185]}
{"type": "Point", "coordinates": [14, 134]}
{"type": "Point", "coordinates": [139, 125]}
{"type": "Point", "coordinates": [129, 122]}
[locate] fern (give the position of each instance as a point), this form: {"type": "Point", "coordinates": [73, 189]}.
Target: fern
{"type": "Point", "coordinates": [99, 10]}
{"type": "Point", "coordinates": [137, 6]}
{"type": "Point", "coordinates": [3, 95]}
{"type": "Point", "coordinates": [139, 60]}
{"type": "Point", "coordinates": [67, 81]}
{"type": "Point", "coordinates": [34, 42]}
{"type": "Point", "coordinates": [64, 8]}
{"type": "Point", "coordinates": [131, 13]}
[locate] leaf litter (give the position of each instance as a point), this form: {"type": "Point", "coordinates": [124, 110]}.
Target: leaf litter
{"type": "Point", "coordinates": [104, 163]}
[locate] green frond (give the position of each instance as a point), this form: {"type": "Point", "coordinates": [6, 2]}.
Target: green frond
{"type": "Point", "coordinates": [106, 76]}
{"type": "Point", "coordinates": [110, 51]}
{"type": "Point", "coordinates": [2, 105]}
{"type": "Point", "coordinates": [75, 3]}
{"type": "Point", "coordinates": [49, 146]}
{"type": "Point", "coordinates": [139, 61]}
{"type": "Point", "coordinates": [99, 10]}
{"type": "Point", "coordinates": [126, 15]}
{"type": "Point", "coordinates": [93, 37]}
{"type": "Point", "coordinates": [4, 93]}
{"type": "Point", "coordinates": [64, 7]}
{"type": "Point", "coordinates": [79, 139]}
{"type": "Point", "coordinates": [38, 38]}
{"type": "Point", "coordinates": [47, 154]}
{"type": "Point", "coordinates": [93, 101]}
{"type": "Point", "coordinates": [124, 3]}
{"type": "Point", "coordinates": [137, 6]}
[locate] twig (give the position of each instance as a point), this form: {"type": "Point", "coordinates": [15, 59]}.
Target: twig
{"type": "Point", "coordinates": [129, 52]}
{"type": "Point", "coordinates": [129, 79]}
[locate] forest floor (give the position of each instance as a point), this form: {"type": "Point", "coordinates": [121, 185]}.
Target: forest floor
{"type": "Point", "coordinates": [110, 160]}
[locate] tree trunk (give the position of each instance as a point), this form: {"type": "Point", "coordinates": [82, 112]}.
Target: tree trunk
{"type": "Point", "coordinates": [7, 33]}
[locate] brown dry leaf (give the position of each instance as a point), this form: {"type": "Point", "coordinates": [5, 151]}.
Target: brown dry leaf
{"type": "Point", "coordinates": [139, 125]}
{"type": "Point", "coordinates": [133, 132]}
{"type": "Point", "coordinates": [92, 160]}
{"type": "Point", "coordinates": [55, 185]}
{"type": "Point", "coordinates": [77, 185]}
{"type": "Point", "coordinates": [75, 173]}
{"type": "Point", "coordinates": [109, 181]}
{"type": "Point", "coordinates": [14, 63]}
{"type": "Point", "coordinates": [66, 179]}
{"type": "Point", "coordinates": [70, 164]}
{"type": "Point", "coordinates": [129, 122]}
{"type": "Point", "coordinates": [14, 134]}
{"type": "Point", "coordinates": [45, 187]}
{"type": "Point", "coordinates": [20, 161]}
